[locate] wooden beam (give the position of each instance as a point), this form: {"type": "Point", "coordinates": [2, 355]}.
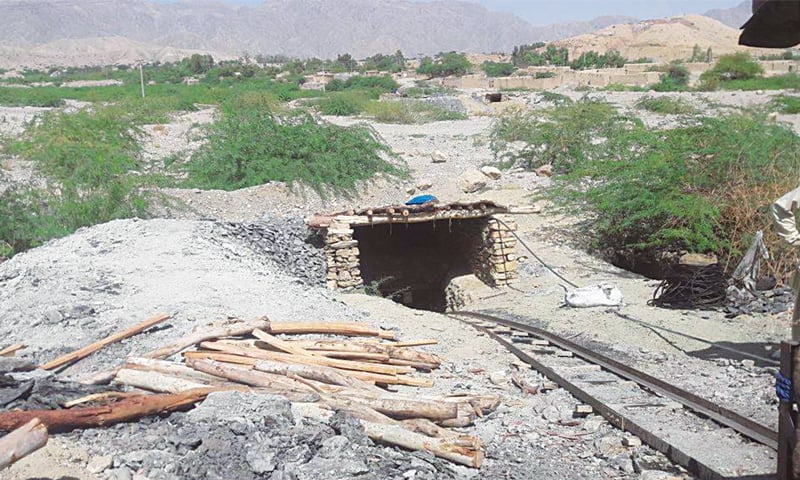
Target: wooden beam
{"type": "Point", "coordinates": [11, 350]}
{"type": "Point", "coordinates": [133, 408]}
{"type": "Point", "coordinates": [93, 347]}
{"type": "Point", "coordinates": [22, 442]}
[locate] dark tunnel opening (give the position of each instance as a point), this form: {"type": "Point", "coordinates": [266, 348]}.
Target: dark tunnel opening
{"type": "Point", "coordinates": [412, 263]}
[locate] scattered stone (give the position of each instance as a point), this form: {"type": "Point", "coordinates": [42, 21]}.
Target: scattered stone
{"type": "Point", "coordinates": [499, 378]}
{"type": "Point", "coordinates": [657, 475]}
{"type": "Point", "coordinates": [424, 185]}
{"type": "Point", "coordinates": [471, 181]}
{"type": "Point", "coordinates": [609, 446]}
{"type": "Point", "coordinates": [411, 191]}
{"type": "Point", "coordinates": [593, 423]}
{"type": "Point", "coordinates": [631, 441]}
{"type": "Point", "coordinates": [544, 171]}
{"type": "Point", "coordinates": [748, 363]}
{"type": "Point", "coordinates": [492, 172]}
{"type": "Point", "coordinates": [99, 464]}
{"type": "Point", "coordinates": [438, 157]}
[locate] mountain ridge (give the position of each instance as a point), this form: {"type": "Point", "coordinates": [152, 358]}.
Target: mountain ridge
{"type": "Point", "coordinates": [298, 28]}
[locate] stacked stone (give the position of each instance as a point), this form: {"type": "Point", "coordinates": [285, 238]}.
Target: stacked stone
{"type": "Point", "coordinates": [341, 256]}
{"type": "Point", "coordinates": [499, 242]}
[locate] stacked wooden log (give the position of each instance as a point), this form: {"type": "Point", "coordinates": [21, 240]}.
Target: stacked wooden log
{"type": "Point", "coordinates": [349, 369]}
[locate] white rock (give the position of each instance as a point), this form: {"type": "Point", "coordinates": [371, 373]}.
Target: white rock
{"type": "Point", "coordinates": [593, 423]}
{"type": "Point", "coordinates": [424, 185]}
{"type": "Point", "coordinates": [491, 172]}
{"type": "Point", "coordinates": [656, 475]}
{"type": "Point", "coordinates": [603, 295]}
{"type": "Point", "coordinates": [471, 181]}
{"type": "Point", "coordinates": [631, 441]}
{"type": "Point", "coordinates": [411, 191]}
{"type": "Point", "coordinates": [499, 377]}
{"type": "Point", "coordinates": [438, 157]}
{"type": "Point", "coordinates": [99, 464]}
{"type": "Point", "coordinates": [748, 363]}
{"type": "Point", "coordinates": [609, 446]}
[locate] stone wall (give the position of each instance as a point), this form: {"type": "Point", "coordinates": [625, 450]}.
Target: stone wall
{"type": "Point", "coordinates": [342, 258]}
{"type": "Point", "coordinates": [495, 260]}
{"type": "Point", "coordinates": [492, 260]}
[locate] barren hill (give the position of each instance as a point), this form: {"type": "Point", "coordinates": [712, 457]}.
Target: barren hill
{"type": "Point", "coordinates": [304, 28]}
{"type": "Point", "coordinates": [662, 40]}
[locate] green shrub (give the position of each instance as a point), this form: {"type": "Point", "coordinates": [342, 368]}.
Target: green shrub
{"type": "Point", "coordinates": [251, 145]}
{"type": "Point", "coordinates": [412, 111]}
{"type": "Point", "coordinates": [86, 158]}
{"type": "Point", "coordinates": [665, 105]}
{"type": "Point", "coordinates": [495, 69]}
{"type": "Point", "coordinates": [391, 112]}
{"type": "Point", "coordinates": [553, 97]}
{"type": "Point", "coordinates": [374, 85]}
{"type": "Point", "coordinates": [343, 104]}
{"type": "Point", "coordinates": [561, 136]}
{"type": "Point", "coordinates": [786, 104]}
{"type": "Point", "coordinates": [675, 78]}
{"type": "Point", "coordinates": [701, 188]}
{"type": "Point", "coordinates": [789, 81]}
{"type": "Point", "coordinates": [735, 66]}
{"type": "Point", "coordinates": [445, 65]}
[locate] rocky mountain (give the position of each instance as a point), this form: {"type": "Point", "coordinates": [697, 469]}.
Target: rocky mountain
{"type": "Point", "coordinates": [304, 28]}
{"type": "Point", "coordinates": [733, 17]}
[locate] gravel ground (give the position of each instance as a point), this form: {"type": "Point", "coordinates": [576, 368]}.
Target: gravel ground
{"type": "Point", "coordinates": [74, 290]}
{"type": "Point", "coordinates": [110, 276]}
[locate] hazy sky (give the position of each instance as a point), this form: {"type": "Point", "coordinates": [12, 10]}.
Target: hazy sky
{"type": "Point", "coordinates": [540, 12]}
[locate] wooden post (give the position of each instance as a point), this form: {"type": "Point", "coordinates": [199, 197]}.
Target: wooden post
{"type": "Point", "coordinates": [141, 78]}
{"type": "Point", "coordinates": [795, 376]}
{"type": "Point", "coordinates": [786, 418]}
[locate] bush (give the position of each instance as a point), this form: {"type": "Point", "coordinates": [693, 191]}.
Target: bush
{"type": "Point", "coordinates": [391, 112]}
{"type": "Point", "coordinates": [495, 69]}
{"type": "Point", "coordinates": [561, 136]}
{"type": "Point", "coordinates": [786, 104]}
{"type": "Point", "coordinates": [251, 145]}
{"type": "Point", "coordinates": [375, 85]}
{"type": "Point", "coordinates": [86, 158]}
{"type": "Point", "coordinates": [701, 188]}
{"type": "Point", "coordinates": [343, 104]}
{"type": "Point", "coordinates": [665, 105]}
{"type": "Point", "coordinates": [736, 66]}
{"type": "Point", "coordinates": [445, 65]}
{"type": "Point", "coordinates": [411, 111]}
{"type": "Point", "coordinates": [674, 79]}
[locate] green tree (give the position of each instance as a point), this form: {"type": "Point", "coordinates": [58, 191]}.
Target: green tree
{"type": "Point", "coordinates": [346, 62]}
{"type": "Point", "coordinates": [198, 64]}
{"type": "Point", "coordinates": [445, 65]}
{"type": "Point", "coordinates": [496, 69]}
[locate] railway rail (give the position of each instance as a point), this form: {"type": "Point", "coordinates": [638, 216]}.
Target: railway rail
{"type": "Point", "coordinates": [698, 436]}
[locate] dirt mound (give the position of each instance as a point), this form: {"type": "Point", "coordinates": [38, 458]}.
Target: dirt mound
{"type": "Point", "coordinates": [662, 40]}
{"type": "Point", "coordinates": [105, 278]}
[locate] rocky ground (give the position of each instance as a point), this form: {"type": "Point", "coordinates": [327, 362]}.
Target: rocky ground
{"type": "Point", "coordinates": [201, 267]}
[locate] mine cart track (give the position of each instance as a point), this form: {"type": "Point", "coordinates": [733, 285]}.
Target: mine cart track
{"type": "Point", "coordinates": [514, 335]}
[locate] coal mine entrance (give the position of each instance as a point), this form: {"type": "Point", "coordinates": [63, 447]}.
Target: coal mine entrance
{"type": "Point", "coordinates": [412, 263]}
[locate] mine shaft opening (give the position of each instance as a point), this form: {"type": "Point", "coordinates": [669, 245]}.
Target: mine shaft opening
{"type": "Point", "coordinates": [412, 263]}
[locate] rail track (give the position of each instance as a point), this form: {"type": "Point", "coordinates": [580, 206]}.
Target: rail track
{"type": "Point", "coordinates": [710, 441]}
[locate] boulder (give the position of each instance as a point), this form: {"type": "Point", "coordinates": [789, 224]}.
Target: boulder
{"type": "Point", "coordinates": [438, 157]}
{"type": "Point", "coordinates": [471, 181]}
{"type": "Point", "coordinates": [492, 172]}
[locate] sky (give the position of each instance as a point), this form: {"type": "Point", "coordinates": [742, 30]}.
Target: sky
{"type": "Point", "coordinates": [542, 12]}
